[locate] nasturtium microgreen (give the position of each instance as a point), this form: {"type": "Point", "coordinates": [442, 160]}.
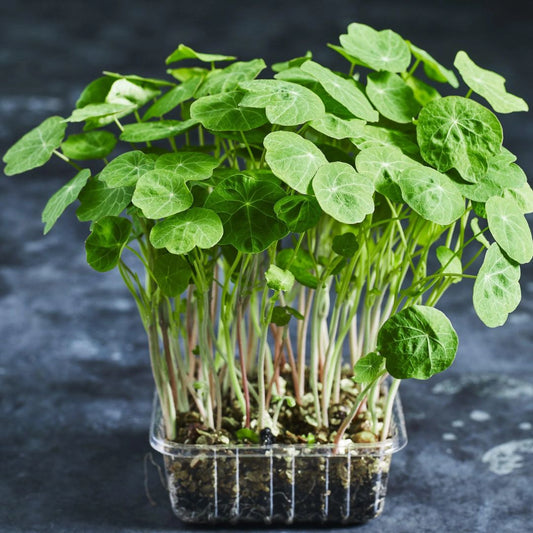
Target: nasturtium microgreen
{"type": "Point", "coordinates": [378, 50]}
{"type": "Point", "coordinates": [454, 132]}
{"type": "Point", "coordinates": [392, 97]}
{"type": "Point", "coordinates": [180, 233]}
{"type": "Point", "coordinates": [105, 243]}
{"type": "Point", "coordinates": [90, 145]}
{"type": "Point", "coordinates": [264, 224]}
{"type": "Point", "coordinates": [36, 147]}
{"type": "Point", "coordinates": [488, 84]}
{"type": "Point", "coordinates": [98, 200]}
{"type": "Point", "coordinates": [293, 159]}
{"type": "Point", "coordinates": [64, 197]}
{"type": "Point", "coordinates": [126, 169]}
{"type": "Point", "coordinates": [160, 193]}
{"type": "Point", "coordinates": [496, 289]}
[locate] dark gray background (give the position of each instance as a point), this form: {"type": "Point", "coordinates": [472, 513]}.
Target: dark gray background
{"type": "Point", "coordinates": [75, 385]}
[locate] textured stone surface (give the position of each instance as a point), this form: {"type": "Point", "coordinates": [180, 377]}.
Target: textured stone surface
{"type": "Point", "coordinates": [75, 385]}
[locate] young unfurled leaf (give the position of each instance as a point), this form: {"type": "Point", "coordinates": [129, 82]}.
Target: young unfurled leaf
{"type": "Point", "coordinates": [496, 289]}
{"type": "Point", "coordinates": [220, 112]}
{"type": "Point", "coordinates": [345, 245]}
{"type": "Point", "coordinates": [295, 62]}
{"type": "Point", "coordinates": [279, 279]}
{"type": "Point", "coordinates": [245, 205]}
{"type": "Point", "coordinates": [431, 194]}
{"type": "Point", "coordinates": [342, 90]}
{"type": "Point", "coordinates": [450, 263]}
{"type": "Point", "coordinates": [90, 145]}
{"type": "Point", "coordinates": [57, 204]}
{"type": "Point", "coordinates": [343, 193]}
{"type": "Point", "coordinates": [454, 132]}
{"type": "Point", "coordinates": [160, 193]}
{"type": "Point", "coordinates": [126, 169]}
{"type": "Point", "coordinates": [301, 264]}
{"type": "Point", "coordinates": [417, 342]}
{"type": "Point", "coordinates": [285, 103]}
{"type": "Point", "coordinates": [337, 128]}
{"type": "Point", "coordinates": [510, 229]}
{"type": "Point", "coordinates": [126, 92]}
{"type": "Point", "coordinates": [106, 242]}
{"type": "Point", "coordinates": [300, 213]}
{"type": "Point", "coordinates": [489, 85]}
{"type": "Point", "coordinates": [368, 368]}
{"type": "Point", "coordinates": [185, 52]}
{"type": "Point", "coordinates": [180, 233]}
{"type": "Point", "coordinates": [153, 131]}
{"type": "Point", "coordinates": [190, 166]}
{"type": "Point", "coordinates": [99, 201]}
{"type": "Point", "coordinates": [293, 159]}
{"type": "Point", "coordinates": [379, 50]}
{"type": "Point", "coordinates": [392, 97]}
{"type": "Point", "coordinates": [36, 147]}
{"type": "Point", "coordinates": [247, 435]}
{"type": "Point", "coordinates": [173, 98]}
{"type": "Point", "coordinates": [228, 79]}
{"type": "Point", "coordinates": [433, 69]}
{"type": "Point", "coordinates": [172, 274]}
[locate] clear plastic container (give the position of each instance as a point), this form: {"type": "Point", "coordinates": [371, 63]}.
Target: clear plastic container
{"type": "Point", "coordinates": [278, 484]}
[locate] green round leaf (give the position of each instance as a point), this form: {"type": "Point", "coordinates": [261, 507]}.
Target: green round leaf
{"type": "Point", "coordinates": [293, 159]}
{"type": "Point", "coordinates": [153, 131]}
{"type": "Point", "coordinates": [279, 279]}
{"type": "Point", "coordinates": [369, 135]}
{"type": "Point", "coordinates": [343, 193]}
{"type": "Point", "coordinates": [190, 166]}
{"type": "Point", "coordinates": [172, 274]}
{"type": "Point", "coordinates": [523, 196]}
{"type": "Point", "coordinates": [36, 147]}
{"type": "Point", "coordinates": [95, 92]}
{"type": "Point", "coordinates": [99, 201]}
{"type": "Point", "coordinates": [106, 242]}
{"type": "Point", "coordinates": [285, 103]}
{"type": "Point", "coordinates": [422, 92]}
{"type": "Point", "coordinates": [300, 213]}
{"type": "Point", "coordinates": [100, 111]}
{"type": "Point", "coordinates": [245, 205]}
{"type": "Point", "coordinates": [417, 342]}
{"type": "Point", "coordinates": [431, 194]}
{"type": "Point", "coordinates": [126, 92]}
{"type": "Point", "coordinates": [91, 145]}
{"type": "Point", "coordinates": [496, 289]}
{"type": "Point", "coordinates": [126, 169]}
{"type": "Point", "coordinates": [180, 233]}
{"type": "Point", "coordinates": [342, 90]}
{"type": "Point", "coordinates": [379, 50]}
{"type": "Point", "coordinates": [433, 69]}
{"type": "Point", "coordinates": [160, 193]}
{"type": "Point", "coordinates": [220, 112]}
{"type": "Point", "coordinates": [454, 132]}
{"type": "Point", "coordinates": [489, 85]}
{"type": "Point", "coordinates": [368, 368]}
{"type": "Point", "coordinates": [59, 201]}
{"type": "Point", "coordinates": [510, 228]}
{"type": "Point", "coordinates": [392, 97]}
